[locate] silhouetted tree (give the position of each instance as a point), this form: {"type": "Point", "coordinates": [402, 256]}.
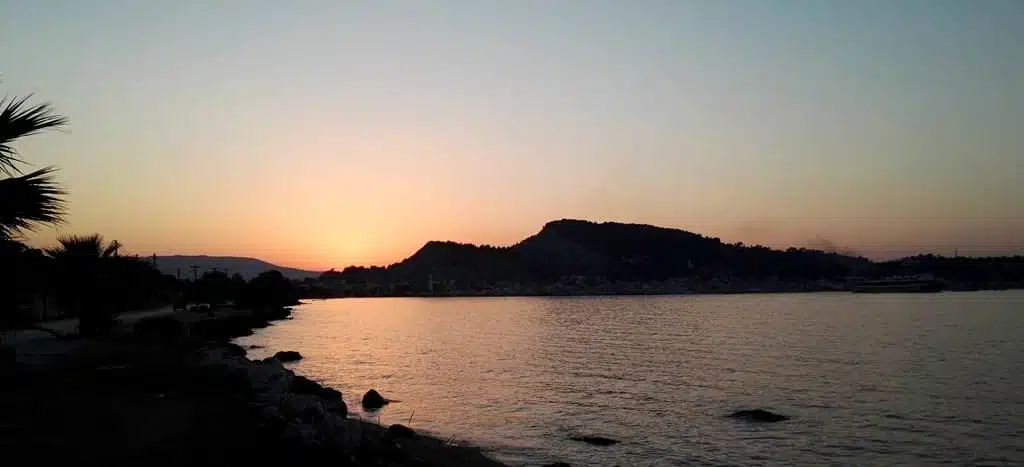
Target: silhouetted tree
{"type": "Point", "coordinates": [22, 276]}
{"type": "Point", "coordinates": [26, 200]}
{"type": "Point", "coordinates": [213, 287]}
{"type": "Point", "coordinates": [270, 289]}
{"type": "Point", "coordinates": [84, 273]}
{"type": "Point", "coordinates": [137, 283]}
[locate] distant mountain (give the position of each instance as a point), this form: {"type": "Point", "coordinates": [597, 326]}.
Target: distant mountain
{"type": "Point", "coordinates": [615, 251]}
{"type": "Point", "coordinates": [247, 267]}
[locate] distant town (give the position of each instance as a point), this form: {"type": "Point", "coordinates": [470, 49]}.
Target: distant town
{"type": "Point", "coordinates": [333, 284]}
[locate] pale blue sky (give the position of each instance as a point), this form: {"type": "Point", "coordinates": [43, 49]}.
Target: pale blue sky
{"type": "Point", "coordinates": [322, 133]}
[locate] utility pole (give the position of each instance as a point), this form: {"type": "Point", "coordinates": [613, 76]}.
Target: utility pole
{"type": "Point", "coordinates": [195, 272]}
{"type": "Point", "coordinates": [177, 272]}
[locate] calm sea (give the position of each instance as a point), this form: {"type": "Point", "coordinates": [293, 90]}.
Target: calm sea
{"type": "Point", "coordinates": [867, 379]}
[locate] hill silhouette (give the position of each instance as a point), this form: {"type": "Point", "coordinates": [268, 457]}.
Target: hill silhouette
{"type": "Point", "coordinates": [611, 250]}
{"type": "Point", "coordinates": [247, 267]}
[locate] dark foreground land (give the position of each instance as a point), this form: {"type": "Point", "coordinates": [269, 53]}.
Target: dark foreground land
{"type": "Point", "coordinates": [173, 391]}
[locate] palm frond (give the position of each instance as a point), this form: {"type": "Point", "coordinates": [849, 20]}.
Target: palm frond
{"type": "Point", "coordinates": [9, 246]}
{"type": "Point", "coordinates": [18, 120]}
{"type": "Point", "coordinates": [30, 201]}
{"type": "Point", "coordinates": [77, 246]}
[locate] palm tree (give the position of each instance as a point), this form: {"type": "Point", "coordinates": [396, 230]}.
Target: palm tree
{"type": "Point", "coordinates": [84, 248]}
{"type": "Point", "coordinates": [84, 267]}
{"type": "Point", "coordinates": [27, 201]}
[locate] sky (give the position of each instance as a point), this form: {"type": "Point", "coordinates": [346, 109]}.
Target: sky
{"type": "Point", "coordinates": [320, 134]}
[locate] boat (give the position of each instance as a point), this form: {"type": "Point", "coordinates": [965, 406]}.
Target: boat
{"type": "Point", "coordinates": [918, 283]}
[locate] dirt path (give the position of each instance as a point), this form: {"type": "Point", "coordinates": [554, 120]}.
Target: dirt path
{"type": "Point", "coordinates": [70, 326]}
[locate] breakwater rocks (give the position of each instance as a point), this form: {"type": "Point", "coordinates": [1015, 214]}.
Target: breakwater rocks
{"type": "Point", "coordinates": [219, 324]}
{"type": "Point", "coordinates": [298, 409]}
{"type": "Point", "coordinates": [300, 415]}
{"type": "Point", "coordinates": [172, 390]}
{"type": "Point", "coordinates": [291, 418]}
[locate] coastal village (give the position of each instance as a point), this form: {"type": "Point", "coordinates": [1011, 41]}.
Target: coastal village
{"type": "Point", "coordinates": [581, 286]}
{"type": "Point", "coordinates": [332, 284]}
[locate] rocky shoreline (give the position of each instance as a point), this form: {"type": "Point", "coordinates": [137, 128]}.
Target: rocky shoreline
{"type": "Point", "coordinates": [312, 419]}
{"type": "Point", "coordinates": [174, 390]}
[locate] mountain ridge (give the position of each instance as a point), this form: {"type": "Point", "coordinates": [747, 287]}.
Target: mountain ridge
{"type": "Point", "coordinates": [246, 266]}
{"type": "Point", "coordinates": [611, 250]}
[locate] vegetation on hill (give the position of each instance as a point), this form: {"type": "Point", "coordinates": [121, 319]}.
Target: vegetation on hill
{"type": "Point", "coordinates": [268, 289]}
{"type": "Point", "coordinates": [976, 272]}
{"type": "Point", "coordinates": [615, 251]}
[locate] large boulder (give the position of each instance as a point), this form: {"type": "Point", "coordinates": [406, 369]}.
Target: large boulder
{"type": "Point", "coordinates": [269, 377]}
{"type": "Point", "coordinates": [372, 400]}
{"type": "Point", "coordinates": [288, 356]}
{"type": "Point", "coordinates": [233, 350]}
{"type": "Point", "coordinates": [300, 435]}
{"type": "Point", "coordinates": [758, 415]}
{"type": "Point", "coordinates": [331, 397]}
{"type": "Point", "coordinates": [304, 385]}
{"type": "Point", "coordinates": [399, 431]}
{"type": "Point", "coordinates": [304, 407]}
{"type": "Point", "coordinates": [337, 407]}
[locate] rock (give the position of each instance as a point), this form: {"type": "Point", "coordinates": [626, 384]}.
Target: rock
{"type": "Point", "coordinates": [233, 350]}
{"type": "Point", "coordinates": [557, 464]}
{"type": "Point", "coordinates": [595, 440]}
{"type": "Point", "coordinates": [269, 377]}
{"type": "Point", "coordinates": [758, 415]}
{"type": "Point", "coordinates": [303, 385]}
{"type": "Point", "coordinates": [338, 407]}
{"type": "Point", "coordinates": [399, 431]}
{"type": "Point", "coordinates": [271, 416]}
{"type": "Point", "coordinates": [295, 411]}
{"type": "Point", "coordinates": [331, 397]}
{"type": "Point", "coordinates": [221, 328]}
{"type": "Point", "coordinates": [303, 407]}
{"type": "Point", "coordinates": [300, 435]}
{"type": "Point", "coordinates": [372, 400]}
{"type": "Point", "coordinates": [253, 347]}
{"type": "Point", "coordinates": [288, 356]}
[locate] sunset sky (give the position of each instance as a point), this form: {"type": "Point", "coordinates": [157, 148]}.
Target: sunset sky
{"type": "Point", "coordinates": [320, 134]}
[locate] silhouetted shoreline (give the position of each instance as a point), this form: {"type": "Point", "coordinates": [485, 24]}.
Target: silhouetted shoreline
{"type": "Point", "coordinates": [658, 289]}
{"type": "Point", "coordinates": [172, 390]}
